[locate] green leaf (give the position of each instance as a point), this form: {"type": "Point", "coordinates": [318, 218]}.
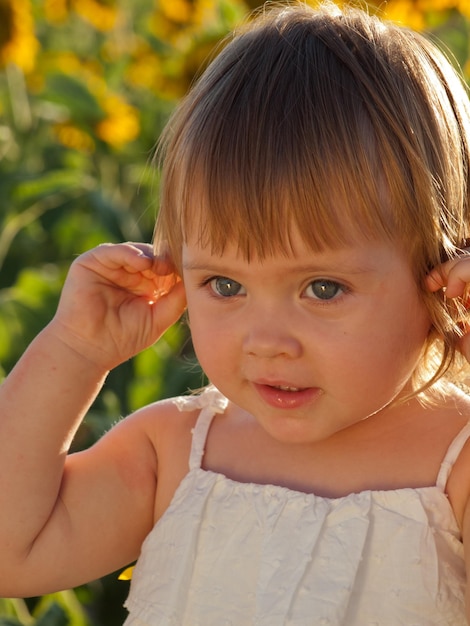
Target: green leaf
{"type": "Point", "coordinates": [25, 308]}
{"type": "Point", "coordinates": [74, 95]}
{"type": "Point", "coordinates": [14, 611]}
{"type": "Point", "coordinates": [49, 183]}
{"type": "Point", "coordinates": [60, 609]}
{"type": "Point", "coordinates": [54, 616]}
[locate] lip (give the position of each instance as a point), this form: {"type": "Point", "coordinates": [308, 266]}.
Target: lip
{"type": "Point", "coordinates": [291, 398]}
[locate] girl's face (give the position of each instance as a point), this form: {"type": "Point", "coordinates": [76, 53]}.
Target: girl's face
{"type": "Point", "coordinates": [308, 343]}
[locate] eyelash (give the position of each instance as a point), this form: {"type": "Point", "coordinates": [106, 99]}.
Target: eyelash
{"type": "Point", "coordinates": [209, 282]}
{"type": "Point", "coordinates": [326, 282]}
{"type": "Point", "coordinates": [341, 289]}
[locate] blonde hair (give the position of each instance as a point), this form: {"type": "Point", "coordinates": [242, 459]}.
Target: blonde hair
{"type": "Point", "coordinates": [334, 123]}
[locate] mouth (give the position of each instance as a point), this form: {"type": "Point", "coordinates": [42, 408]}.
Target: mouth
{"type": "Point", "coordinates": [283, 396]}
{"type": "Point", "coordinates": [286, 388]}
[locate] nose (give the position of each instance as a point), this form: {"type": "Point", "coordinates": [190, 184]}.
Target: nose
{"type": "Point", "coordinates": [270, 336]}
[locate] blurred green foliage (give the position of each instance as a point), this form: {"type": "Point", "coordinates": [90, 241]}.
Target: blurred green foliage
{"type": "Point", "coordinates": [85, 89]}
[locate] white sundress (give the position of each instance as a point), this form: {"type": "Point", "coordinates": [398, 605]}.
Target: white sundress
{"type": "Point", "coordinates": [239, 554]}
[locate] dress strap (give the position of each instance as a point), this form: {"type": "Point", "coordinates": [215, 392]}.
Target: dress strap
{"type": "Point", "coordinates": [200, 432]}
{"type": "Point", "coordinates": [451, 456]}
{"type": "Point", "coordinates": [210, 401]}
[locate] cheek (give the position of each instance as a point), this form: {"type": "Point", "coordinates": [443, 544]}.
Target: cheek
{"type": "Point", "coordinates": [418, 323]}
{"type": "Point", "coordinates": [399, 339]}
{"type": "Point", "coordinates": [210, 343]}
{"type": "Point", "coordinates": [391, 327]}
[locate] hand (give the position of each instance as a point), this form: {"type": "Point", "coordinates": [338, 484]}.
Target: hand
{"type": "Point", "coordinates": [117, 300]}
{"type": "Point", "coordinates": [454, 278]}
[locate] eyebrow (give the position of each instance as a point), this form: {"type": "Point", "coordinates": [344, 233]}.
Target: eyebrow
{"type": "Point", "coordinates": [303, 268]}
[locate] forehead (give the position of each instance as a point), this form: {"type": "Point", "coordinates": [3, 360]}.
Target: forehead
{"type": "Point", "coordinates": [283, 222]}
{"type": "Point", "coordinates": [363, 257]}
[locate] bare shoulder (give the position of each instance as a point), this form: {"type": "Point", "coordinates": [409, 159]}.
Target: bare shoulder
{"type": "Point", "coordinates": [160, 420]}
{"type": "Point", "coordinates": [147, 433]}
{"type": "Point", "coordinates": [160, 431]}
{"type": "Point", "coordinates": [458, 486]}
{"type": "Point", "coordinates": [168, 432]}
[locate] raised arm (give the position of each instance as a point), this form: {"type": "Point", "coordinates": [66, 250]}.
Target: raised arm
{"type": "Point", "coordinates": [117, 300]}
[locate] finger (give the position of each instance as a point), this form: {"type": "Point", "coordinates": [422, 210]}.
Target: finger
{"type": "Point", "coordinates": [128, 256]}
{"type": "Point", "coordinates": [145, 249]}
{"type": "Point", "coordinates": [453, 276]}
{"type": "Point", "coordinates": [131, 267]}
{"type": "Point", "coordinates": [161, 263]}
{"type": "Point", "coordinates": [132, 258]}
{"type": "Point", "coordinates": [163, 285]}
{"type": "Point", "coordinates": [169, 307]}
{"type": "Point", "coordinates": [458, 277]}
{"type": "Point", "coordinates": [435, 280]}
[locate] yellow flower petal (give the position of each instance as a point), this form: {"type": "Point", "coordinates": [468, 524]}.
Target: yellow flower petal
{"type": "Point", "coordinates": [18, 43]}
{"type": "Point", "coordinates": [121, 124]}
{"type": "Point", "coordinates": [102, 14]}
{"type": "Point", "coordinates": [56, 11]}
{"type": "Point", "coordinates": [73, 137]}
{"type": "Point", "coordinates": [126, 574]}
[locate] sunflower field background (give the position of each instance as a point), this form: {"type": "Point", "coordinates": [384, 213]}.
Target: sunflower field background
{"type": "Point", "coordinates": [85, 89]}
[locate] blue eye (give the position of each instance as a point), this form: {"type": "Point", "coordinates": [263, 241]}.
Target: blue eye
{"type": "Point", "coordinates": [324, 289]}
{"type": "Point", "coordinates": [226, 287]}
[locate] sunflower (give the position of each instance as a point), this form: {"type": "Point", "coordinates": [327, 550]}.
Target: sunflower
{"type": "Point", "coordinates": [145, 68]}
{"type": "Point", "coordinates": [56, 11]}
{"type": "Point", "coordinates": [464, 8]}
{"type": "Point", "coordinates": [404, 12]}
{"type": "Point", "coordinates": [438, 5]}
{"type": "Point", "coordinates": [121, 124]}
{"type": "Point", "coordinates": [102, 14]}
{"type": "Point", "coordinates": [178, 11]}
{"type": "Point", "coordinates": [72, 136]}
{"type": "Point", "coordinates": [18, 43]}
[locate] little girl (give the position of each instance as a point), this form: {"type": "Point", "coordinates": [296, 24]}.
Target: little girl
{"type": "Point", "coordinates": [314, 217]}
